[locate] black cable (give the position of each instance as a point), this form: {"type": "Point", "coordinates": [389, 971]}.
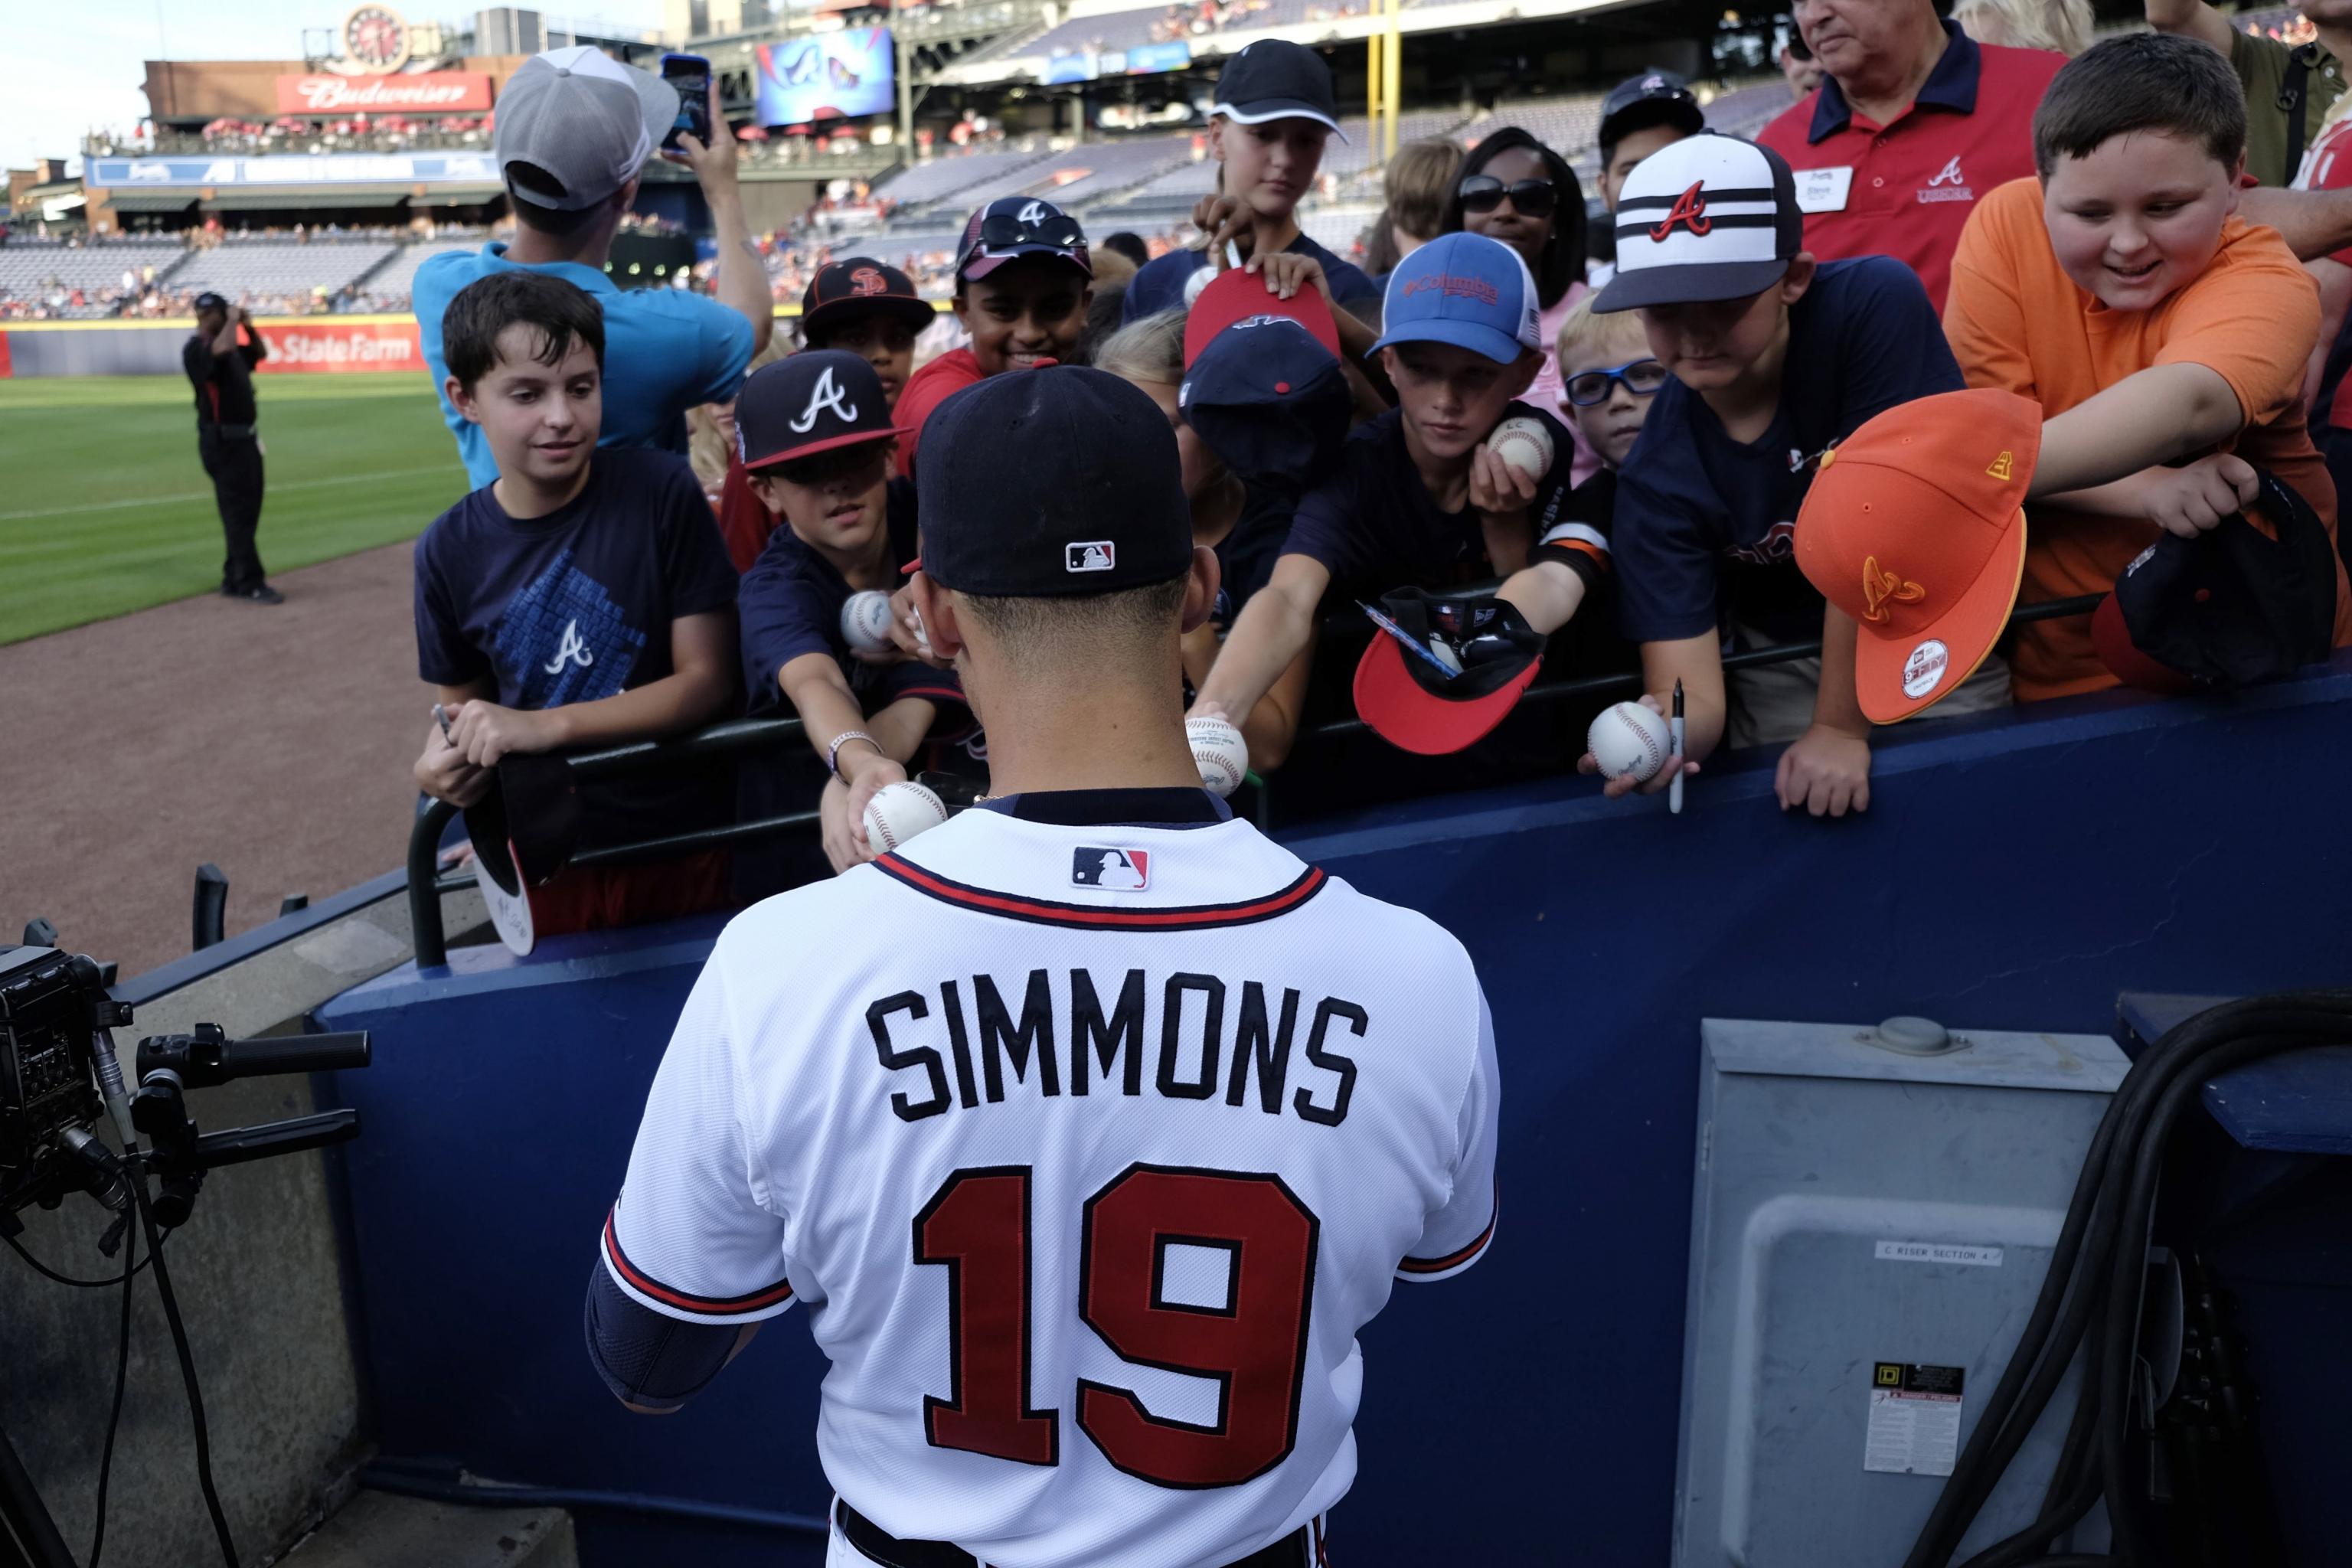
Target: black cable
{"type": "Point", "coordinates": [46, 1272]}
{"type": "Point", "coordinates": [114, 1417]}
{"type": "Point", "coordinates": [138, 1173]}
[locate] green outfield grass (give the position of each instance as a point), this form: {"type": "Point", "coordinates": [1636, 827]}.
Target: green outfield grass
{"type": "Point", "coordinates": [104, 507]}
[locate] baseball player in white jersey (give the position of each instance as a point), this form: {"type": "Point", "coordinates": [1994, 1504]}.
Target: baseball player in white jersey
{"type": "Point", "coordinates": [1087, 1181]}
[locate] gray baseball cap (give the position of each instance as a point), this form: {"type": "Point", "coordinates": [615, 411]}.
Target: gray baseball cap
{"type": "Point", "coordinates": [582, 121]}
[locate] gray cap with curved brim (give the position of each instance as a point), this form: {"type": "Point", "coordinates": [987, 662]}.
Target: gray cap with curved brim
{"type": "Point", "coordinates": [582, 123]}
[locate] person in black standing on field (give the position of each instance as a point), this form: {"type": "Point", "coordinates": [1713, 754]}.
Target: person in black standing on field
{"type": "Point", "coordinates": [221, 368]}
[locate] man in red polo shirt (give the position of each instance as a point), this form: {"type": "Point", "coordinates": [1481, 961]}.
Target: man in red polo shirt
{"type": "Point", "coordinates": [1914, 122]}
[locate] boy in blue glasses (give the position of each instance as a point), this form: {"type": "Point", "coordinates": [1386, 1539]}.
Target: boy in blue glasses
{"type": "Point", "coordinates": [1607, 376]}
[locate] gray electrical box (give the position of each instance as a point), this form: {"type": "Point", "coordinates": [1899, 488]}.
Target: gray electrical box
{"type": "Point", "coordinates": [1873, 1216]}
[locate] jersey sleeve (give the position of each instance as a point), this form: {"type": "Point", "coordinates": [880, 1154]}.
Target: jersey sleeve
{"type": "Point", "coordinates": [1572, 529]}
{"type": "Point", "coordinates": [1666, 564]}
{"type": "Point", "coordinates": [1326, 528]}
{"type": "Point", "coordinates": [1984, 313]}
{"type": "Point", "coordinates": [443, 654]}
{"type": "Point", "coordinates": [779, 622]}
{"type": "Point", "coordinates": [1458, 1235]}
{"type": "Point", "coordinates": [697, 575]}
{"type": "Point", "coordinates": [2252, 322]}
{"type": "Point", "coordinates": [1891, 345]}
{"type": "Point", "coordinates": [690, 1235]}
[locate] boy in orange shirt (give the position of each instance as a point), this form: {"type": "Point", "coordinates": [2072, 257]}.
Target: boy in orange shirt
{"type": "Point", "coordinates": [2155, 326]}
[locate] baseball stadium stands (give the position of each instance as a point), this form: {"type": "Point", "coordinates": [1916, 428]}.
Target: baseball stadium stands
{"type": "Point", "coordinates": [282, 268]}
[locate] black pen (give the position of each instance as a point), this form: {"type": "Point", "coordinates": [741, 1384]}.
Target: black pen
{"type": "Point", "coordinates": [1674, 735]}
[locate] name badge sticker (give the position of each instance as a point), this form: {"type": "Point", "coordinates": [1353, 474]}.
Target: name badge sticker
{"type": "Point", "coordinates": [1823, 190]}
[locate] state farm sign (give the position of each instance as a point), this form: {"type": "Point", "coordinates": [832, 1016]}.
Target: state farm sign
{"type": "Point", "coordinates": [435, 93]}
{"type": "Point", "coordinates": [324, 343]}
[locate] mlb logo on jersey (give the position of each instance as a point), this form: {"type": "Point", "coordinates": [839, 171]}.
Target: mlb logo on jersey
{"type": "Point", "coordinates": [1118, 869]}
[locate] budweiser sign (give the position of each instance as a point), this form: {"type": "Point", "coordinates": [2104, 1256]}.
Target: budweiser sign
{"type": "Point", "coordinates": [439, 93]}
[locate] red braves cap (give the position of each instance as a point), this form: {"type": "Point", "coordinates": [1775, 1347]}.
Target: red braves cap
{"type": "Point", "coordinates": [860, 285]}
{"type": "Point", "coordinates": [1416, 707]}
{"type": "Point", "coordinates": [1237, 296]}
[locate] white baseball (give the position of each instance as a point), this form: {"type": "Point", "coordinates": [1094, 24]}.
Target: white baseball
{"type": "Point", "coordinates": [1219, 751]}
{"type": "Point", "coordinates": [1200, 278]}
{"type": "Point", "coordinates": [1629, 742]}
{"type": "Point", "coordinates": [1525, 443]}
{"type": "Point", "coordinates": [900, 811]}
{"type": "Point", "coordinates": [866, 621]}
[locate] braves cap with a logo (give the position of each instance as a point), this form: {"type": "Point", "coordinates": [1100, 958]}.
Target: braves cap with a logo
{"type": "Point", "coordinates": [2227, 608]}
{"type": "Point", "coordinates": [1466, 290]}
{"type": "Point", "coordinates": [1915, 525]}
{"type": "Point", "coordinates": [581, 123]}
{"type": "Point", "coordinates": [861, 286]}
{"type": "Point", "coordinates": [1061, 481]}
{"type": "Point", "coordinates": [1653, 97]}
{"type": "Point", "coordinates": [1707, 217]}
{"type": "Point", "coordinates": [1274, 78]}
{"type": "Point", "coordinates": [1262, 383]}
{"type": "Point", "coordinates": [809, 402]}
{"type": "Point", "coordinates": [1013, 226]}
{"type": "Point", "coordinates": [1417, 707]}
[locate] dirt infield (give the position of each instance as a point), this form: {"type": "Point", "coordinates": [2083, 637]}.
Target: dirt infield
{"type": "Point", "coordinates": [274, 742]}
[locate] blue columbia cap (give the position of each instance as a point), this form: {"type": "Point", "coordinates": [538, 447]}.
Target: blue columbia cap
{"type": "Point", "coordinates": [1467, 291]}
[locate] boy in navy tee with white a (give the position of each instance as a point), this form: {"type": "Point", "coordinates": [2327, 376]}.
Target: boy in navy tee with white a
{"type": "Point", "coordinates": [1774, 357]}
{"type": "Point", "coordinates": [582, 598]}
{"type": "Point", "coordinates": [817, 441]}
{"type": "Point", "coordinates": [1418, 499]}
{"type": "Point", "coordinates": [1274, 110]}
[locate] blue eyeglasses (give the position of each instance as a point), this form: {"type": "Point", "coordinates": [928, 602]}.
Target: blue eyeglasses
{"type": "Point", "coordinates": [1641, 377]}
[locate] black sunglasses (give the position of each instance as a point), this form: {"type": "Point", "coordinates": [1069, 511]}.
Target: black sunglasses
{"type": "Point", "coordinates": [1642, 378]}
{"type": "Point", "coordinates": [1001, 231]}
{"type": "Point", "coordinates": [1484, 192]}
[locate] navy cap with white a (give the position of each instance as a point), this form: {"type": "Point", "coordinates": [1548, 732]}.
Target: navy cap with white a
{"type": "Point", "coordinates": [1054, 482]}
{"type": "Point", "coordinates": [1653, 97]}
{"type": "Point", "coordinates": [809, 402]}
{"type": "Point", "coordinates": [1013, 226]}
{"type": "Point", "coordinates": [1274, 78]}
{"type": "Point", "coordinates": [1466, 290]}
{"type": "Point", "coordinates": [1707, 217]}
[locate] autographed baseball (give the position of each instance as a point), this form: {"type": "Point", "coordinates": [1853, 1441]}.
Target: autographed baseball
{"type": "Point", "coordinates": [1524, 444]}
{"type": "Point", "coordinates": [1200, 279]}
{"type": "Point", "coordinates": [900, 811]}
{"type": "Point", "coordinates": [1218, 749]}
{"type": "Point", "coordinates": [866, 621]}
{"type": "Point", "coordinates": [1629, 742]}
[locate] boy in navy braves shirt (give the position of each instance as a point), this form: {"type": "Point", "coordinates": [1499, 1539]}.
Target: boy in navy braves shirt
{"type": "Point", "coordinates": [817, 442]}
{"type": "Point", "coordinates": [1774, 357]}
{"type": "Point", "coordinates": [582, 598]}
{"type": "Point", "coordinates": [1418, 499]}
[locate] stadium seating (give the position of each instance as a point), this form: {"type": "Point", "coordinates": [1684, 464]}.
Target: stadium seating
{"type": "Point", "coordinates": [391, 287]}
{"type": "Point", "coordinates": [1745, 110]}
{"type": "Point", "coordinates": [948, 178]}
{"type": "Point", "coordinates": [282, 268]}
{"type": "Point", "coordinates": [34, 270]}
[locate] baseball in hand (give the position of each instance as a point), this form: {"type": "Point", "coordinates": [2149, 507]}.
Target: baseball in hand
{"type": "Point", "coordinates": [900, 811]}
{"type": "Point", "coordinates": [1218, 750]}
{"type": "Point", "coordinates": [866, 621]}
{"type": "Point", "coordinates": [1628, 741]}
{"type": "Point", "coordinates": [1200, 280]}
{"type": "Point", "coordinates": [1525, 443]}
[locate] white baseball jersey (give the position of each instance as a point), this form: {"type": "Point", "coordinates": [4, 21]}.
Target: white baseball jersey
{"type": "Point", "coordinates": [1088, 1148]}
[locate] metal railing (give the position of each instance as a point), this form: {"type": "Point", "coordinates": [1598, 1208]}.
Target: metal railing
{"type": "Point", "coordinates": [747, 737]}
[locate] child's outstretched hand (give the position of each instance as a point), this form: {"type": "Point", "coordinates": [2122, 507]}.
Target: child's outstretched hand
{"type": "Point", "coordinates": [2190, 500]}
{"type": "Point", "coordinates": [1286, 272]}
{"type": "Point", "coordinates": [484, 731]}
{"type": "Point", "coordinates": [1620, 787]}
{"type": "Point", "coordinates": [443, 772]}
{"type": "Point", "coordinates": [1826, 770]}
{"type": "Point", "coordinates": [1496, 487]}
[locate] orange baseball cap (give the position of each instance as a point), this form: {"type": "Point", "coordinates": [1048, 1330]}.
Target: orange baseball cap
{"type": "Point", "coordinates": [1916, 527]}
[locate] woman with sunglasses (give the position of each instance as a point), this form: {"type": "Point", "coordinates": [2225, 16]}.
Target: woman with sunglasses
{"type": "Point", "coordinates": [1514, 189]}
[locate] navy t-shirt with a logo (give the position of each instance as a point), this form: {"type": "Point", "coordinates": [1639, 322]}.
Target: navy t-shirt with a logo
{"type": "Point", "coordinates": [574, 606]}
{"type": "Point", "coordinates": [1374, 525]}
{"type": "Point", "coordinates": [1704, 525]}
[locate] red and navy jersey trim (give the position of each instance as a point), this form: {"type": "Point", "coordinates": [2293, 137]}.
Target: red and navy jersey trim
{"type": "Point", "coordinates": [1092, 917]}
{"type": "Point", "coordinates": [1455, 1259]}
{"type": "Point", "coordinates": [644, 1284]}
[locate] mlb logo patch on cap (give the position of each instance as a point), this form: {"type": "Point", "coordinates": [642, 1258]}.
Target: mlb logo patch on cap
{"type": "Point", "coordinates": [1705, 218]}
{"type": "Point", "coordinates": [1117, 869]}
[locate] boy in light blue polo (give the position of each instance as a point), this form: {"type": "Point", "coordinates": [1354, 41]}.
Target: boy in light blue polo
{"type": "Point", "coordinates": [575, 126]}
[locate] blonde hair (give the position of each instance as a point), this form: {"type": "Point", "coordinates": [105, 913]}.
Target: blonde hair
{"type": "Point", "coordinates": [1585, 330]}
{"type": "Point", "coordinates": [2062, 26]}
{"type": "Point", "coordinates": [1150, 350]}
{"type": "Point", "coordinates": [1418, 185]}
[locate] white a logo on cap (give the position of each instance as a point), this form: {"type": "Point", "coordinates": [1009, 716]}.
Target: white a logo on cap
{"type": "Point", "coordinates": [1032, 212]}
{"type": "Point", "coordinates": [825, 394]}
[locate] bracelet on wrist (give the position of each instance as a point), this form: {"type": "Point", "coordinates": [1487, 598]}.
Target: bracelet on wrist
{"type": "Point", "coordinates": [833, 750]}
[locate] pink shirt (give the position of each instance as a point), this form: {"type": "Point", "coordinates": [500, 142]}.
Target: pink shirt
{"type": "Point", "coordinates": [1550, 396]}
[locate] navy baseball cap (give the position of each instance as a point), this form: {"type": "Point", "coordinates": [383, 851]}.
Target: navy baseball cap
{"type": "Point", "coordinates": [1059, 481]}
{"type": "Point", "coordinates": [1707, 217]}
{"type": "Point", "coordinates": [2227, 608]}
{"type": "Point", "coordinates": [1417, 707]}
{"type": "Point", "coordinates": [862, 286]}
{"type": "Point", "coordinates": [1013, 226]}
{"type": "Point", "coordinates": [1274, 78]}
{"type": "Point", "coordinates": [1465, 290]}
{"type": "Point", "coordinates": [208, 300]}
{"type": "Point", "coordinates": [1263, 385]}
{"type": "Point", "coordinates": [1653, 97]}
{"type": "Point", "coordinates": [809, 402]}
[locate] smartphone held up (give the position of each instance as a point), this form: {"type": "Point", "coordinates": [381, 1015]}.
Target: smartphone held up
{"type": "Point", "coordinates": [690, 74]}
